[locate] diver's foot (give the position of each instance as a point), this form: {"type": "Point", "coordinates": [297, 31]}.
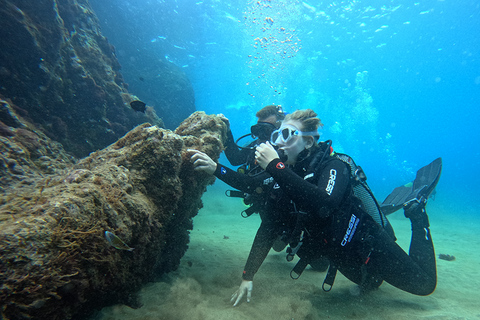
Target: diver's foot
{"type": "Point", "coordinates": [415, 211]}
{"type": "Point", "coordinates": [417, 191]}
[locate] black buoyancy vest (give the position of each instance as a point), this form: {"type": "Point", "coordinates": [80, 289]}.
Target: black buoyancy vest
{"type": "Point", "coordinates": [360, 188]}
{"type": "Point", "coordinates": [362, 192]}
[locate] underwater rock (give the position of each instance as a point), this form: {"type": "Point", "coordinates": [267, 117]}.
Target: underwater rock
{"type": "Point", "coordinates": [25, 152]}
{"type": "Point", "coordinates": [55, 262]}
{"type": "Point", "coordinates": [57, 68]}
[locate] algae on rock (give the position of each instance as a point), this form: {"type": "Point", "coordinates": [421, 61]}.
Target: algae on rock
{"type": "Point", "coordinates": [55, 262]}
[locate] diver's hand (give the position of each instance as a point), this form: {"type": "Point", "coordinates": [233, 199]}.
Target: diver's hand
{"type": "Point", "coordinates": [247, 287]}
{"type": "Point", "coordinates": [202, 162]}
{"type": "Point", "coordinates": [224, 119]}
{"type": "Point", "coordinates": [264, 154]}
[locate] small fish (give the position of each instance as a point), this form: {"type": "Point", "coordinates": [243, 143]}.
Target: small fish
{"type": "Point", "coordinates": [138, 105]}
{"type": "Point", "coordinates": [447, 257]}
{"type": "Point", "coordinates": [116, 242]}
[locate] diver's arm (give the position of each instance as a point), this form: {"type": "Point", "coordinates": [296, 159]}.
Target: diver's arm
{"type": "Point", "coordinates": [260, 248]}
{"type": "Point", "coordinates": [264, 240]}
{"type": "Point", "coordinates": [202, 162]}
{"type": "Point", "coordinates": [239, 181]}
{"type": "Point", "coordinates": [319, 198]}
{"type": "Point", "coordinates": [234, 155]}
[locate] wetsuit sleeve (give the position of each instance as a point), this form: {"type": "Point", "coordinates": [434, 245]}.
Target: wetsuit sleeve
{"type": "Point", "coordinates": [234, 155]}
{"type": "Point", "coordinates": [320, 198]}
{"type": "Point", "coordinates": [239, 181]}
{"type": "Point", "coordinates": [264, 239]}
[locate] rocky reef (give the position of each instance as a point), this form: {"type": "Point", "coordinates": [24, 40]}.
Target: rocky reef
{"type": "Point", "coordinates": [62, 75]}
{"type": "Point", "coordinates": [55, 262]}
{"type": "Point", "coordinates": [76, 161]}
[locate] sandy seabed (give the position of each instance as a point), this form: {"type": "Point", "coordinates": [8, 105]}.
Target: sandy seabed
{"type": "Point", "coordinates": [211, 271]}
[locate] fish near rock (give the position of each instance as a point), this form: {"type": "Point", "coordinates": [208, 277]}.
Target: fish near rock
{"type": "Point", "coordinates": [138, 105]}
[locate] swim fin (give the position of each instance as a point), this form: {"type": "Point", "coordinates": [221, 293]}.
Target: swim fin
{"type": "Point", "coordinates": [419, 190]}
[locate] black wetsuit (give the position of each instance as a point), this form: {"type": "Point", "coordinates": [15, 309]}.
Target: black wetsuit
{"type": "Point", "coordinates": [335, 224]}
{"type": "Point", "coordinates": [244, 157]}
{"type": "Point", "coordinates": [234, 154]}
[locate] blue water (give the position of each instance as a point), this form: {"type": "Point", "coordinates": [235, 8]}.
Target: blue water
{"type": "Point", "coordinates": [396, 83]}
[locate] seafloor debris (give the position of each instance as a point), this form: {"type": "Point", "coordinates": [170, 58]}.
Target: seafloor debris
{"type": "Point", "coordinates": [446, 257]}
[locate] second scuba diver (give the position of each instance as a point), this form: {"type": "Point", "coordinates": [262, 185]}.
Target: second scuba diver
{"type": "Point", "coordinates": [269, 119]}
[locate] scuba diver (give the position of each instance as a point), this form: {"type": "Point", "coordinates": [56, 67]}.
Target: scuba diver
{"type": "Point", "coordinates": [321, 202]}
{"type": "Point", "coordinates": [269, 118]}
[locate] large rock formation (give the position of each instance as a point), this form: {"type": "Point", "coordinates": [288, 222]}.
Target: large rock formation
{"type": "Point", "coordinates": [61, 89]}
{"type": "Point", "coordinates": [55, 262]}
{"type": "Point", "coordinates": [63, 75]}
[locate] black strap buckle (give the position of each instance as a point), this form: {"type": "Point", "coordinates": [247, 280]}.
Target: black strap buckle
{"type": "Point", "coordinates": [298, 269]}
{"type": "Point", "coordinates": [249, 211]}
{"type": "Point", "coordinates": [235, 194]}
{"type": "Point", "coordinates": [329, 278]}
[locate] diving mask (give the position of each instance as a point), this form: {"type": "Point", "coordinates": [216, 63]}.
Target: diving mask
{"type": "Point", "coordinates": [285, 134]}
{"type": "Point", "coordinates": [262, 130]}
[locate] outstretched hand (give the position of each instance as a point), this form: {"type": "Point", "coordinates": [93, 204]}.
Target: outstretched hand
{"type": "Point", "coordinates": [245, 287]}
{"type": "Point", "coordinates": [264, 154]}
{"type": "Point", "coordinates": [202, 162]}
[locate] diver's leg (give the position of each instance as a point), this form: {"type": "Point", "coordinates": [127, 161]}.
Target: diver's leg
{"type": "Point", "coordinates": [421, 244]}
{"type": "Point", "coordinates": [414, 273]}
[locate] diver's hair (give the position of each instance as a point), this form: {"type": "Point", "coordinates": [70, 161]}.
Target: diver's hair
{"type": "Point", "coordinates": [308, 119]}
{"type": "Point", "coordinates": [271, 110]}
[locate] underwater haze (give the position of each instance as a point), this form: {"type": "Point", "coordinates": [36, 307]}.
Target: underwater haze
{"type": "Point", "coordinates": [396, 84]}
